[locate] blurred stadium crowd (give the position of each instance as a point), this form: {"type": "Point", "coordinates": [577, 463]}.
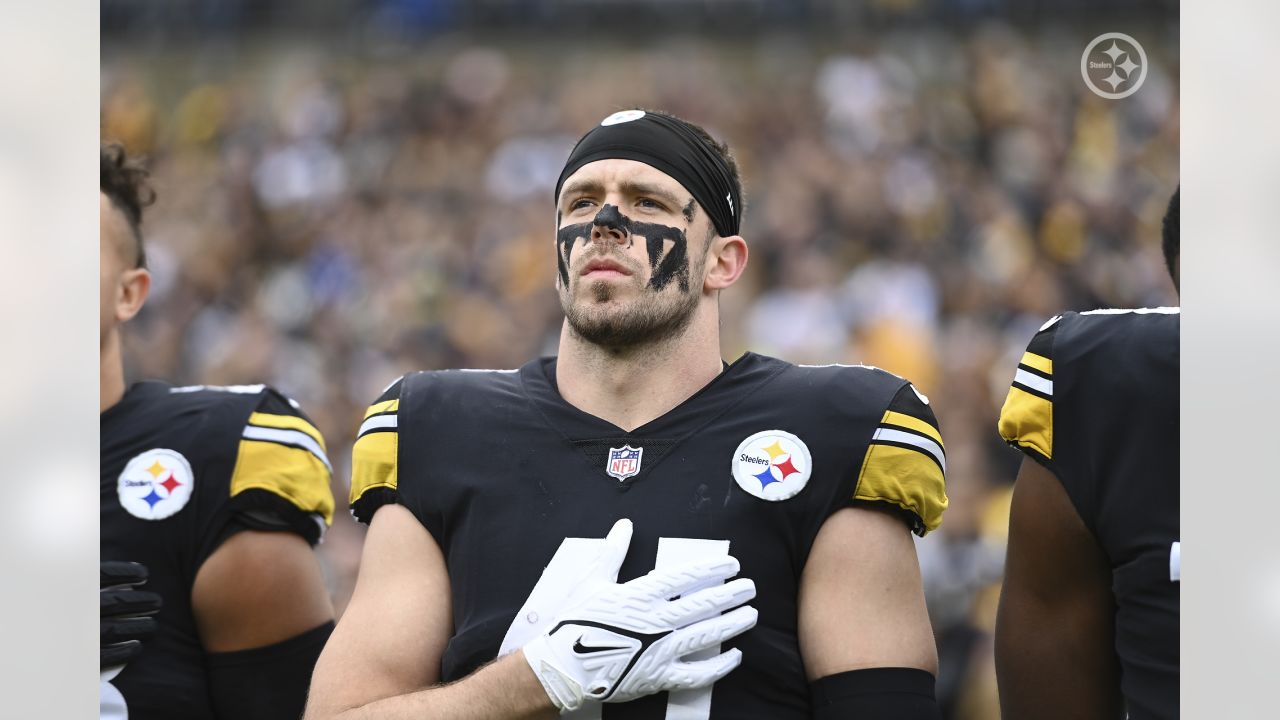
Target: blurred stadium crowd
{"type": "Point", "coordinates": [921, 201]}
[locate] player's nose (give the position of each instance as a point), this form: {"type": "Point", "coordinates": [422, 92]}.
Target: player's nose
{"type": "Point", "coordinates": [610, 225]}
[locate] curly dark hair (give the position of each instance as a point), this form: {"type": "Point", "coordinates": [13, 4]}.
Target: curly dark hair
{"type": "Point", "coordinates": [124, 181]}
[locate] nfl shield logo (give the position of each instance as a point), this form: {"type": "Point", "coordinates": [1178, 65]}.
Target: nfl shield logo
{"type": "Point", "coordinates": [624, 461]}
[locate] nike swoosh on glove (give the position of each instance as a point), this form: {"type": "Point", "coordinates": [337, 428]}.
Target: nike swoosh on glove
{"type": "Point", "coordinates": [622, 641]}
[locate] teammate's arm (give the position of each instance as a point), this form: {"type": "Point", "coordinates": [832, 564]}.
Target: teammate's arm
{"type": "Point", "coordinates": [862, 611]}
{"type": "Point", "coordinates": [259, 598]}
{"type": "Point", "coordinates": [384, 657]}
{"type": "Point", "coordinates": [1055, 654]}
{"type": "Point", "coordinates": [263, 613]}
{"type": "Point", "coordinates": [258, 589]}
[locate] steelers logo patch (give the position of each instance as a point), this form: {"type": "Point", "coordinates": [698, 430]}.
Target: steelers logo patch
{"type": "Point", "coordinates": [155, 484]}
{"type": "Point", "coordinates": [772, 465]}
{"type": "Point", "coordinates": [622, 116]}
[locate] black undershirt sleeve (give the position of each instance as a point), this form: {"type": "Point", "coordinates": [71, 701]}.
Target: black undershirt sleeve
{"type": "Point", "coordinates": [875, 694]}
{"type": "Point", "coordinates": [267, 683]}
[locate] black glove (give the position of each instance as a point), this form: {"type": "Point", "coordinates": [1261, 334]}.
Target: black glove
{"type": "Point", "coordinates": [128, 615]}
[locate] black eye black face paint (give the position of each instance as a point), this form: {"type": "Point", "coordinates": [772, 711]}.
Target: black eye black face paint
{"type": "Point", "coordinates": [688, 211]}
{"type": "Point", "coordinates": [675, 265]}
{"type": "Point", "coordinates": [665, 268]}
{"type": "Point", "coordinates": [565, 238]}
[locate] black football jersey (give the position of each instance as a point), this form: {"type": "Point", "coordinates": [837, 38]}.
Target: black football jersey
{"type": "Point", "coordinates": [516, 485]}
{"type": "Point", "coordinates": [1095, 400]}
{"type": "Point", "coordinates": [182, 469]}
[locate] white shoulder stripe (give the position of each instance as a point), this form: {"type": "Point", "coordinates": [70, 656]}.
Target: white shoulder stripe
{"type": "Point", "coordinates": [1035, 382]}
{"type": "Point", "coordinates": [923, 443]}
{"type": "Point", "coordinates": [487, 370]}
{"type": "Point", "coordinates": [378, 422]}
{"type": "Point", "coordinates": [287, 437]}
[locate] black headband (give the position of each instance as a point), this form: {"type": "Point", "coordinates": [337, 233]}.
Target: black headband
{"type": "Point", "coordinates": [669, 145]}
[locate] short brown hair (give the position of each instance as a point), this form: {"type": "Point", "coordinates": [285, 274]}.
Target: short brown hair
{"type": "Point", "coordinates": [124, 181]}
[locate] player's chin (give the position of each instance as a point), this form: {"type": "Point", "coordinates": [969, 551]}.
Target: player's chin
{"type": "Point", "coordinates": [605, 291]}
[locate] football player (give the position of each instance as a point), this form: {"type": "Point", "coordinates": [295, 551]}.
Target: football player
{"type": "Point", "coordinates": [219, 492]}
{"type": "Point", "coordinates": [1088, 619]}
{"type": "Point", "coordinates": [485, 589]}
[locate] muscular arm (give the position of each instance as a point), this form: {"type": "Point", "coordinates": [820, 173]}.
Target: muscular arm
{"type": "Point", "coordinates": [1055, 655]}
{"type": "Point", "coordinates": [263, 613]}
{"type": "Point", "coordinates": [383, 660]}
{"type": "Point", "coordinates": [862, 599]}
{"type": "Point", "coordinates": [258, 589]}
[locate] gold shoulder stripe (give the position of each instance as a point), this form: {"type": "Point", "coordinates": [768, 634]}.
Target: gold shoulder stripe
{"type": "Point", "coordinates": [293, 473]}
{"type": "Point", "coordinates": [1039, 362]}
{"type": "Point", "coordinates": [374, 462]}
{"type": "Point", "coordinates": [383, 407]}
{"type": "Point", "coordinates": [906, 478]}
{"type": "Point", "coordinates": [287, 422]}
{"type": "Point", "coordinates": [1026, 420]}
{"type": "Point", "coordinates": [912, 423]}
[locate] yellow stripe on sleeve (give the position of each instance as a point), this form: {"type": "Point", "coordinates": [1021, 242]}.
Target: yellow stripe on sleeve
{"type": "Point", "coordinates": [287, 422]}
{"type": "Point", "coordinates": [913, 423]}
{"type": "Point", "coordinates": [373, 462]}
{"type": "Point", "coordinates": [906, 478]}
{"type": "Point", "coordinates": [1038, 362]}
{"type": "Point", "coordinates": [387, 406]}
{"type": "Point", "coordinates": [1027, 421]}
{"type": "Point", "coordinates": [292, 473]}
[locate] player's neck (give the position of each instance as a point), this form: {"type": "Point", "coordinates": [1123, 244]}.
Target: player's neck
{"type": "Point", "coordinates": [630, 388]}
{"type": "Point", "coordinates": [111, 380]}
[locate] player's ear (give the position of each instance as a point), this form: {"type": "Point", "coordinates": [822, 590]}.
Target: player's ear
{"type": "Point", "coordinates": [135, 285]}
{"type": "Point", "coordinates": [726, 259]}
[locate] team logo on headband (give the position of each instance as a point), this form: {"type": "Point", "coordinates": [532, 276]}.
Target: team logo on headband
{"type": "Point", "coordinates": [622, 116]}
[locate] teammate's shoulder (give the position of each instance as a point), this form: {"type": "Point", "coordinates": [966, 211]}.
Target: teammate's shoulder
{"type": "Point", "coordinates": [1134, 316]}
{"type": "Point", "coordinates": [1080, 340]}
{"type": "Point", "coordinates": [232, 401]}
{"type": "Point", "coordinates": [206, 409]}
{"type": "Point", "coordinates": [1098, 344]}
{"type": "Point", "coordinates": [259, 414]}
{"type": "Point", "coordinates": [282, 470]}
{"type": "Point", "coordinates": [1120, 330]}
{"type": "Point", "coordinates": [215, 396]}
{"type": "Point", "coordinates": [1154, 319]}
{"type": "Point", "coordinates": [1026, 417]}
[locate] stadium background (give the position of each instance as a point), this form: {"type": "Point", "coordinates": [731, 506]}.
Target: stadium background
{"type": "Point", "coordinates": [352, 189]}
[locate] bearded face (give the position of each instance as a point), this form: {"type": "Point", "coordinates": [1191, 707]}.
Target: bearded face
{"type": "Point", "coordinates": [623, 259]}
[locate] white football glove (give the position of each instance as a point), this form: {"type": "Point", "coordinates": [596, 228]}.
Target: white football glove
{"type": "Point", "coordinates": [618, 642]}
